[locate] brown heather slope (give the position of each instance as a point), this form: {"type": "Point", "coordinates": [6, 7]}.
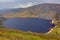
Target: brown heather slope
{"type": "Point", "coordinates": [22, 14]}
{"type": "Point", "coordinates": [44, 11]}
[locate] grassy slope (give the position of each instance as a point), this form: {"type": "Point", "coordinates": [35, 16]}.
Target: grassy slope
{"type": "Point", "coordinates": [54, 34]}
{"type": "Point", "coordinates": [7, 34]}
{"type": "Point", "coordinates": [10, 34]}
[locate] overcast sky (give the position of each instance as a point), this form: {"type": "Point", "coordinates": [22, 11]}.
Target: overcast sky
{"type": "Point", "coordinates": [4, 4]}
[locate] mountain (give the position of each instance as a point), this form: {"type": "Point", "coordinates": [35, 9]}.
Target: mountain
{"type": "Point", "coordinates": [10, 10]}
{"type": "Point", "coordinates": [44, 11]}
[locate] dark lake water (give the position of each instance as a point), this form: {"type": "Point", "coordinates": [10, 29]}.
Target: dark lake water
{"type": "Point", "coordinates": [29, 24]}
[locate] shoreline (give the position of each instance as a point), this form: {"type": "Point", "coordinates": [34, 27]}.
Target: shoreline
{"type": "Point", "coordinates": [50, 31]}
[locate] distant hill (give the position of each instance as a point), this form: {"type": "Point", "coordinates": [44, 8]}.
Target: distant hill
{"type": "Point", "coordinates": [44, 11]}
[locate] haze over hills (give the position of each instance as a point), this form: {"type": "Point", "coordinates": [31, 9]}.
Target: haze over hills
{"type": "Point", "coordinates": [44, 11]}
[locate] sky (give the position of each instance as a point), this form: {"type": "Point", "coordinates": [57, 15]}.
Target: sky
{"type": "Point", "coordinates": [5, 4]}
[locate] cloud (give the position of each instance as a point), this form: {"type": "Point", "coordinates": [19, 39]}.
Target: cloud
{"type": "Point", "coordinates": [24, 5]}
{"type": "Point", "coordinates": [6, 4]}
{"type": "Point", "coordinates": [7, 1]}
{"type": "Point", "coordinates": [50, 1]}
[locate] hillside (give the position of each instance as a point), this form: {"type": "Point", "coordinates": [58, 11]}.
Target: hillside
{"type": "Point", "coordinates": [44, 11]}
{"type": "Point", "coordinates": [17, 15]}
{"type": "Point", "coordinates": [11, 34]}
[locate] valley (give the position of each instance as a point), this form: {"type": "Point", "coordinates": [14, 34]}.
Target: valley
{"type": "Point", "coordinates": [32, 23]}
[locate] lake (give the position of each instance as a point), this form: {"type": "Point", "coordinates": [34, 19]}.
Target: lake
{"type": "Point", "coordinates": [29, 24]}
